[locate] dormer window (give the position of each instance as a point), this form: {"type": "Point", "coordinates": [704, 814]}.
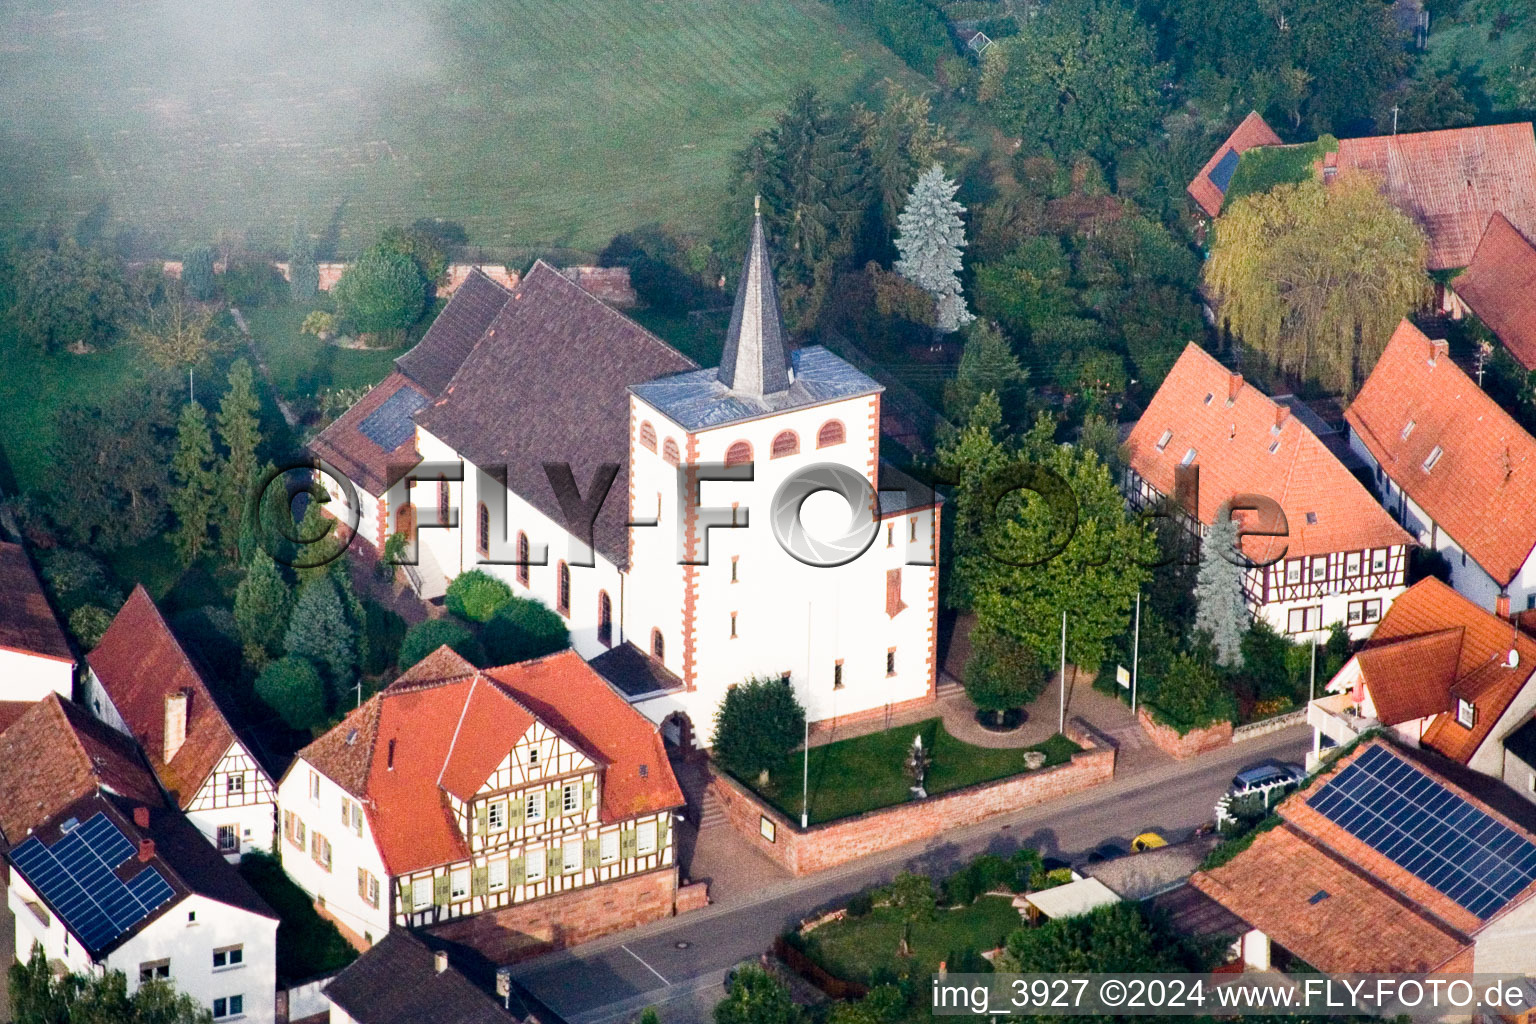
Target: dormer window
{"type": "Point", "coordinates": [1162, 442]}
{"type": "Point", "coordinates": [1432, 458]}
{"type": "Point", "coordinates": [1188, 459]}
{"type": "Point", "coordinates": [1466, 713]}
{"type": "Point", "coordinates": [1408, 429]}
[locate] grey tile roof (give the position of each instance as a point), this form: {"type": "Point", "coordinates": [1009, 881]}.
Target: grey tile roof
{"type": "Point", "coordinates": [755, 361]}
{"type": "Point", "coordinates": [902, 492]}
{"type": "Point", "coordinates": [547, 384]}
{"type": "Point", "coordinates": [453, 335]}
{"type": "Point", "coordinates": [632, 672]}
{"type": "Point", "coordinates": [397, 982]}
{"type": "Point", "coordinates": [700, 400]}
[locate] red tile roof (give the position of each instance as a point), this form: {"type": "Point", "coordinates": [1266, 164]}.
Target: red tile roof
{"type": "Point", "coordinates": [27, 623]}
{"type": "Point", "coordinates": [1500, 287]}
{"type": "Point", "coordinates": [1408, 675]}
{"type": "Point", "coordinates": [1481, 490]}
{"type": "Point", "coordinates": [364, 462]}
{"type": "Point", "coordinates": [1452, 181]}
{"type": "Point", "coordinates": [1232, 435]}
{"type": "Point", "coordinates": [140, 664]}
{"type": "Point", "coordinates": [55, 754]}
{"type": "Point", "coordinates": [1253, 131]}
{"type": "Point", "coordinates": [449, 731]}
{"type": "Point", "coordinates": [1375, 916]}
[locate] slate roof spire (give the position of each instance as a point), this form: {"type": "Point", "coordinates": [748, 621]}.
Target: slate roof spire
{"type": "Point", "coordinates": [756, 356]}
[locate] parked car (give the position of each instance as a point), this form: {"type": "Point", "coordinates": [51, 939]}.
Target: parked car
{"type": "Point", "coordinates": [1267, 776]}
{"type": "Point", "coordinates": [1147, 841]}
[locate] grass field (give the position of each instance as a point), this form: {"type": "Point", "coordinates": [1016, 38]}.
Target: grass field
{"type": "Point", "coordinates": [1496, 39]}
{"type": "Point", "coordinates": [531, 123]}
{"type": "Point", "coordinates": [859, 948]}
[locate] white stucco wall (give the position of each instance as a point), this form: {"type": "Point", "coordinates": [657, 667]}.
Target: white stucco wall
{"type": "Point", "coordinates": [1508, 944]}
{"type": "Point", "coordinates": [28, 676]}
{"type": "Point", "coordinates": [349, 852]}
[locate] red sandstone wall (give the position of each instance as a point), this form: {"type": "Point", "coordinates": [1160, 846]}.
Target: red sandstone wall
{"type": "Point", "coordinates": [569, 918]}
{"type": "Point", "coordinates": [1196, 741]}
{"type": "Point", "coordinates": [838, 842]}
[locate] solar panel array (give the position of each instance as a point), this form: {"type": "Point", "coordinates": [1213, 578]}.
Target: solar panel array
{"type": "Point", "coordinates": [1429, 831]}
{"type": "Point", "coordinates": [77, 876]}
{"type": "Point", "coordinates": [1221, 174]}
{"type": "Point", "coordinates": [390, 425]}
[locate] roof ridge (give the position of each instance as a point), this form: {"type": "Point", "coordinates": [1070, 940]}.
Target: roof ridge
{"type": "Point", "coordinates": [541, 262]}
{"type": "Point", "coordinates": [454, 740]}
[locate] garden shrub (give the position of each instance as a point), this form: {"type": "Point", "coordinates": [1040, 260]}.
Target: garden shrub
{"type": "Point", "coordinates": [860, 904]}
{"type": "Point", "coordinates": [425, 637]}
{"type": "Point", "coordinates": [476, 595]}
{"type": "Point", "coordinates": [252, 282]}
{"type": "Point", "coordinates": [293, 688]}
{"type": "Point", "coordinates": [521, 629]}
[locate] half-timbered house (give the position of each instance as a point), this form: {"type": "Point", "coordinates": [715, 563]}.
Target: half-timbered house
{"type": "Point", "coordinates": [1322, 550]}
{"type": "Point", "coordinates": [531, 795]}
{"type": "Point", "coordinates": [143, 683]}
{"type": "Point", "coordinates": [1455, 469]}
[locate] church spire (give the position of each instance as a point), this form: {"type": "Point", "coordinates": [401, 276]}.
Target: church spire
{"type": "Point", "coordinates": [756, 357]}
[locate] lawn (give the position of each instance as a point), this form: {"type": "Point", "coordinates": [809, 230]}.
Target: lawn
{"type": "Point", "coordinates": [866, 772]}
{"type": "Point", "coordinates": [533, 124]}
{"type": "Point", "coordinates": [856, 948]}
{"type": "Point", "coordinates": [302, 365]}
{"type": "Point", "coordinates": [307, 944]}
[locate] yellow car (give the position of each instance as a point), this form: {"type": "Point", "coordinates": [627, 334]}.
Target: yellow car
{"type": "Point", "coordinates": [1147, 841]}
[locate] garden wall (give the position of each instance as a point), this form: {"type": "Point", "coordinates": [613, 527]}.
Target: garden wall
{"type": "Point", "coordinates": [837, 842]}
{"type": "Point", "coordinates": [1196, 741]}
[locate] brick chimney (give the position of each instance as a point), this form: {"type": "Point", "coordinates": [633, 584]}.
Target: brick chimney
{"type": "Point", "coordinates": [440, 961]}
{"type": "Point", "coordinates": [1437, 348]}
{"type": "Point", "coordinates": [175, 724]}
{"type": "Point", "coordinates": [1501, 606]}
{"type": "Point", "coordinates": [1282, 413]}
{"type": "Point", "coordinates": [1234, 385]}
{"type": "Point", "coordinates": [146, 850]}
{"type": "Point", "coordinates": [141, 817]}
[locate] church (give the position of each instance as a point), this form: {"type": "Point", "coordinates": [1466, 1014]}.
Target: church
{"type": "Point", "coordinates": [525, 414]}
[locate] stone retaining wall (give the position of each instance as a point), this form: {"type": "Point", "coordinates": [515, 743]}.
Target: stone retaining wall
{"type": "Point", "coordinates": [1196, 741]}
{"type": "Point", "coordinates": [837, 842]}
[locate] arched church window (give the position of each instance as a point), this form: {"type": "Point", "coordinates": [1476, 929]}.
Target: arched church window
{"type": "Point", "coordinates": [831, 433]}
{"type": "Point", "coordinates": [787, 442]}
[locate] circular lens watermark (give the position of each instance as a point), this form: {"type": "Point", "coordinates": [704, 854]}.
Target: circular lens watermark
{"type": "Point", "coordinates": [790, 530]}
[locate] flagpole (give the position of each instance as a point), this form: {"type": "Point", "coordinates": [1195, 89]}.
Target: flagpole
{"type": "Point", "coordinates": [1061, 682]}
{"type": "Point", "coordinates": [1135, 652]}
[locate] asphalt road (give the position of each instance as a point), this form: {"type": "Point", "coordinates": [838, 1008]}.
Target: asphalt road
{"type": "Point", "coordinates": [682, 960]}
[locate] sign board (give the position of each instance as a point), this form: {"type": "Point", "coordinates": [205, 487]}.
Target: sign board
{"type": "Point", "coordinates": [1123, 676]}
{"type": "Point", "coordinates": [767, 828]}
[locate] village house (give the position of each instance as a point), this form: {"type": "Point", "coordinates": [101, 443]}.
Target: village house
{"type": "Point", "coordinates": [143, 684]}
{"type": "Point", "coordinates": [404, 980]}
{"type": "Point", "coordinates": [35, 656]}
{"type": "Point", "coordinates": [1499, 288]}
{"type": "Point", "coordinates": [529, 802]}
{"type": "Point", "coordinates": [1209, 437]}
{"type": "Point", "coordinates": [671, 602]}
{"type": "Point", "coordinates": [1440, 673]}
{"type": "Point", "coordinates": [105, 875]}
{"type": "Point", "coordinates": [1455, 469]}
{"type": "Point", "coordinates": [1385, 865]}
{"type": "Point", "coordinates": [1209, 187]}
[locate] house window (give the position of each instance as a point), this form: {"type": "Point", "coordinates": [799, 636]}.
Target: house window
{"type": "Point", "coordinates": [483, 529]}
{"type": "Point", "coordinates": [534, 808]}
{"type": "Point", "coordinates": [890, 662]}
{"type": "Point", "coordinates": [1319, 569]}
{"type": "Point", "coordinates": [320, 850]}
{"type": "Point", "coordinates": [534, 866]}
{"type": "Point", "coordinates": [314, 786]}
{"type": "Point", "coordinates": [733, 625]}
{"type": "Point", "coordinates": [563, 590]}
{"type": "Point", "coordinates": [522, 558]}
{"type": "Point", "coordinates": [421, 893]}
{"type": "Point", "coordinates": [1379, 560]}
{"type": "Point", "coordinates": [735, 561]}
{"type": "Point", "coordinates": [228, 838]}
{"type": "Point", "coordinates": [367, 887]}
{"type": "Point", "coordinates": [227, 1007]}
{"type": "Point", "coordinates": [346, 813]}
{"type": "Point", "coordinates": [496, 816]}
{"type": "Point", "coordinates": [154, 970]}
{"type": "Point", "coordinates": [533, 755]}
{"type": "Point", "coordinates": [831, 433]}
{"type": "Point", "coordinates": [570, 798]}
{"type": "Point", "coordinates": [405, 519]}
{"type": "Point", "coordinates": [658, 646]}
{"type": "Point", "coordinates": [645, 838]}
{"type": "Point", "coordinates": [571, 857]}
{"type": "Point", "coordinates": [1162, 442]}
{"type": "Point", "coordinates": [234, 785]}
{"type": "Point", "coordinates": [229, 956]}
{"type": "Point", "coordinates": [293, 829]}
{"type": "Point", "coordinates": [738, 453]}
{"type": "Point", "coordinates": [1304, 620]}
{"type": "Point", "coordinates": [443, 502]}
{"type": "Point", "coordinates": [608, 847]}
{"type": "Point", "coordinates": [497, 876]}
{"type": "Point", "coordinates": [1466, 713]}
{"type": "Point", "coordinates": [786, 442]}
{"type": "Point", "coordinates": [1373, 610]}
{"type": "Point", "coordinates": [1432, 458]}
{"type": "Point", "coordinates": [893, 603]}
{"type": "Point", "coordinates": [1530, 782]}
{"type": "Point", "coordinates": [648, 435]}
{"type": "Point", "coordinates": [1293, 572]}
{"type": "Point", "coordinates": [604, 619]}
{"type": "Point", "coordinates": [1352, 564]}
{"type": "Point", "coordinates": [837, 674]}
{"type": "Point", "coordinates": [669, 451]}
{"type": "Point", "coordinates": [459, 886]}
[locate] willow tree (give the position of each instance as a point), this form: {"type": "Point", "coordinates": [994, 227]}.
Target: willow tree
{"type": "Point", "coordinates": [1316, 277]}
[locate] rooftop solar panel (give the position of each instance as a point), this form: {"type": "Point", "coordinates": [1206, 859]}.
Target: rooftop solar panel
{"type": "Point", "coordinates": [78, 878]}
{"type": "Point", "coordinates": [1429, 831]}
{"type": "Point", "coordinates": [390, 425]}
{"type": "Point", "coordinates": [1221, 174]}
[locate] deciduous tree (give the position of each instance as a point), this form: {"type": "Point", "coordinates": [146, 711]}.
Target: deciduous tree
{"type": "Point", "coordinates": [1316, 277]}
{"type": "Point", "coordinates": [291, 687]}
{"type": "Point", "coordinates": [912, 897]}
{"type": "Point", "coordinates": [757, 997]}
{"type": "Point", "coordinates": [112, 466]}
{"type": "Point", "coordinates": [756, 726]}
{"type": "Point", "coordinates": [382, 293]}
{"type": "Point", "coordinates": [303, 274]}
{"type": "Point", "coordinates": [41, 996]}
{"type": "Point", "coordinates": [175, 336]}
{"type": "Point", "coordinates": [68, 295]}
{"type": "Point", "coordinates": [425, 637]}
